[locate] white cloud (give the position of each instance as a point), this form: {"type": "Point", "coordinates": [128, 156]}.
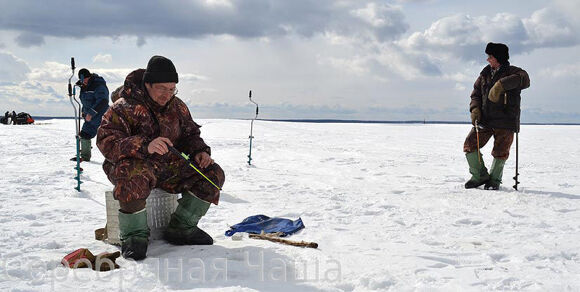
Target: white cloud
{"type": "Point", "coordinates": [463, 36]}
{"type": "Point", "coordinates": [12, 68]}
{"type": "Point", "coordinates": [51, 72]}
{"type": "Point", "coordinates": [562, 71]}
{"type": "Point", "coordinates": [387, 21]}
{"type": "Point", "coordinates": [29, 96]}
{"type": "Point", "coordinates": [547, 28]}
{"type": "Point", "coordinates": [103, 58]}
{"type": "Point", "coordinates": [459, 77]}
{"type": "Point", "coordinates": [219, 3]}
{"type": "Point", "coordinates": [356, 65]}
{"type": "Point", "coordinates": [384, 61]}
{"type": "Point", "coordinates": [59, 73]}
{"type": "Point", "coordinates": [409, 65]}
{"type": "Point", "coordinates": [414, 1]}
{"type": "Point", "coordinates": [192, 77]}
{"type": "Point", "coordinates": [570, 9]}
{"type": "Point", "coordinates": [113, 75]}
{"type": "Point", "coordinates": [199, 18]}
{"type": "Point", "coordinates": [41, 88]}
{"type": "Point", "coordinates": [21, 93]}
{"type": "Point", "coordinates": [460, 87]}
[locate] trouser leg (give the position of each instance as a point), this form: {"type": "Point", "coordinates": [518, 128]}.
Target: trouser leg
{"type": "Point", "coordinates": [180, 177]}
{"type": "Point", "coordinates": [470, 143]}
{"type": "Point", "coordinates": [197, 194]}
{"type": "Point", "coordinates": [133, 180]}
{"type": "Point", "coordinates": [502, 143]}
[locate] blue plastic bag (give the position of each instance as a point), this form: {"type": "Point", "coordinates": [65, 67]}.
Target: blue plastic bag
{"type": "Point", "coordinates": [258, 223]}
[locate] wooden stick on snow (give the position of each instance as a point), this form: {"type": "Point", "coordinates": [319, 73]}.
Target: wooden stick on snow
{"type": "Point", "coordinates": [275, 238]}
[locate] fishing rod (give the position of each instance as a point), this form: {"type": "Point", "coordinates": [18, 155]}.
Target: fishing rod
{"type": "Point", "coordinates": [77, 113]}
{"type": "Point", "coordinates": [186, 158]}
{"type": "Point", "coordinates": [252, 129]}
{"type": "Point", "coordinates": [477, 134]}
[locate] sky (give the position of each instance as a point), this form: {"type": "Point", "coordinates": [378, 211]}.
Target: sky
{"type": "Point", "coordinates": [302, 59]}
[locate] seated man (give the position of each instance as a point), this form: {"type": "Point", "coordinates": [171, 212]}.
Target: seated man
{"type": "Point", "coordinates": [134, 137]}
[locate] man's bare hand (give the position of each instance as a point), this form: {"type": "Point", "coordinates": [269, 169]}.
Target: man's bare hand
{"type": "Point", "coordinates": [88, 117]}
{"type": "Point", "coordinates": [203, 159]}
{"type": "Point", "coordinates": [159, 145]}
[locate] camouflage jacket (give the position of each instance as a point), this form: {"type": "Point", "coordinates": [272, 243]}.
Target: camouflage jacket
{"type": "Point", "coordinates": [135, 120]}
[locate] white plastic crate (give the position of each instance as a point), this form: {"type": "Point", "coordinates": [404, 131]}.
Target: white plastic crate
{"type": "Point", "coordinates": [160, 206]}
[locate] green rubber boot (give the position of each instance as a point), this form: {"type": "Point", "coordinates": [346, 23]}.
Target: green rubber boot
{"type": "Point", "coordinates": [182, 228]}
{"type": "Point", "coordinates": [86, 149]}
{"type": "Point", "coordinates": [134, 234]}
{"type": "Point", "coordinates": [477, 169]}
{"type": "Point", "coordinates": [495, 174]}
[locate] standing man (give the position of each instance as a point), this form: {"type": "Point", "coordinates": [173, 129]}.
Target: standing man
{"type": "Point", "coordinates": [94, 97]}
{"type": "Point", "coordinates": [495, 110]}
{"type": "Point", "coordinates": [134, 138]}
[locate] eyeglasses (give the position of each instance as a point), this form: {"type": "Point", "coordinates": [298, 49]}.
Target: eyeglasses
{"type": "Point", "coordinates": [165, 90]}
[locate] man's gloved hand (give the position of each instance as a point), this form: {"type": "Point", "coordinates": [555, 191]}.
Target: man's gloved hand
{"type": "Point", "coordinates": [495, 92]}
{"type": "Point", "coordinates": [475, 115]}
{"type": "Point", "coordinates": [79, 83]}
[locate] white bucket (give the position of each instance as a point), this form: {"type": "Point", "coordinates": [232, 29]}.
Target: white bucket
{"type": "Point", "coordinates": [160, 206]}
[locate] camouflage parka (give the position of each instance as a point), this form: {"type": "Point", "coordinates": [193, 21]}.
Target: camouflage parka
{"type": "Point", "coordinates": [135, 120]}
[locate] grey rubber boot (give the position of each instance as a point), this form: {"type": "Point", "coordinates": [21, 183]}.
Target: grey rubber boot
{"type": "Point", "coordinates": [182, 228]}
{"type": "Point", "coordinates": [134, 234]}
{"type": "Point", "coordinates": [86, 149]}
{"type": "Point", "coordinates": [495, 174]}
{"type": "Point", "coordinates": [477, 169]}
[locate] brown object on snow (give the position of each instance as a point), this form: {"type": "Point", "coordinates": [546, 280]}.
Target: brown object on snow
{"type": "Point", "coordinates": [84, 258]}
{"type": "Point", "coordinates": [274, 237]}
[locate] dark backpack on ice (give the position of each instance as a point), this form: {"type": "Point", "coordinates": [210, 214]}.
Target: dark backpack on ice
{"type": "Point", "coordinates": [22, 119]}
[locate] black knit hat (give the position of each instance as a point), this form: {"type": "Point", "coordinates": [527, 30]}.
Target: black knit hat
{"type": "Point", "coordinates": [85, 73]}
{"type": "Point", "coordinates": [160, 70]}
{"type": "Point", "coordinates": [499, 51]}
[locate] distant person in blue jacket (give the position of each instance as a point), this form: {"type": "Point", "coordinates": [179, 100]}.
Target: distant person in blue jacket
{"type": "Point", "coordinates": [95, 100]}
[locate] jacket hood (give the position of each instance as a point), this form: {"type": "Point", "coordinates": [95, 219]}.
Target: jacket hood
{"type": "Point", "coordinates": [97, 80]}
{"type": "Point", "coordinates": [94, 82]}
{"type": "Point", "coordinates": [134, 89]}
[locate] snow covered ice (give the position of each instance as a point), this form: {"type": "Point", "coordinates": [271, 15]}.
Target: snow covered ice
{"type": "Point", "coordinates": [385, 203]}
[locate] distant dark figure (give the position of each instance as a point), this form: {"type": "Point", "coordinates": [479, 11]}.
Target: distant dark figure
{"type": "Point", "coordinates": [5, 119]}
{"type": "Point", "coordinates": [94, 97]}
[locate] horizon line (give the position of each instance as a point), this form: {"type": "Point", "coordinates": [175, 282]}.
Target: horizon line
{"type": "Point", "coordinates": [353, 121]}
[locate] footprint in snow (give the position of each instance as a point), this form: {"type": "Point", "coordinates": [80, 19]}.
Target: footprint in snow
{"type": "Point", "coordinates": [468, 222]}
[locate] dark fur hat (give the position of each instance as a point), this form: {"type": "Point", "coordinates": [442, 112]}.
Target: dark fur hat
{"type": "Point", "coordinates": [499, 51]}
